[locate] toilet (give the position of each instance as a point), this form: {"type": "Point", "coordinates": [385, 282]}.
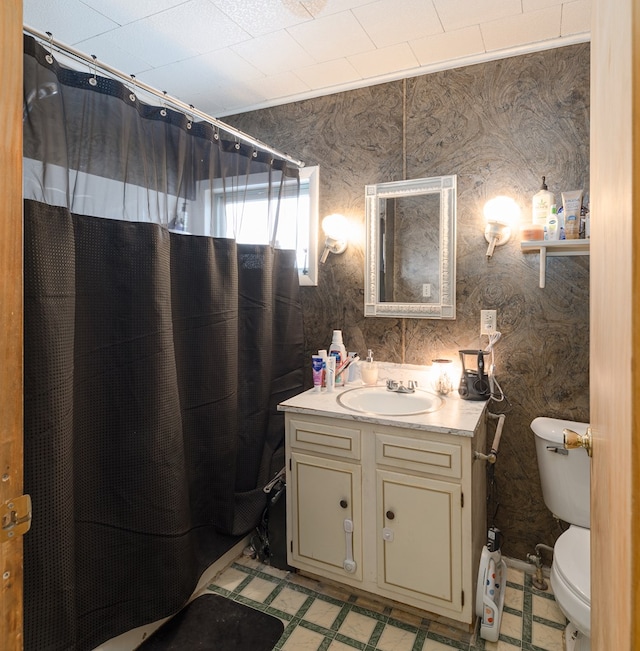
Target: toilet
{"type": "Point", "coordinates": [565, 479]}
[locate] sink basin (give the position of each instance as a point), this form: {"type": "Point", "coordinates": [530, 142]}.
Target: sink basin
{"type": "Point", "coordinates": [381, 402]}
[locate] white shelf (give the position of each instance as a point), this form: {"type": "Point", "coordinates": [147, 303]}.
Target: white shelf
{"type": "Point", "coordinates": [553, 248]}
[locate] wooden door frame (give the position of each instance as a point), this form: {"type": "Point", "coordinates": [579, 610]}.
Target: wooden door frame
{"type": "Point", "coordinates": [621, 618]}
{"type": "Point", "coordinates": [11, 341]}
{"type": "Point", "coordinates": [614, 324]}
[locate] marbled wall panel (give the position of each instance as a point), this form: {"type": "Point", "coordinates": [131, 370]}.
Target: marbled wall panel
{"type": "Point", "coordinates": [499, 126]}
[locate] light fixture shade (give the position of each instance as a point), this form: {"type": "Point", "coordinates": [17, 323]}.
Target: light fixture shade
{"type": "Point", "coordinates": [335, 228]}
{"type": "Point", "coordinates": [501, 214]}
{"type": "Point", "coordinates": [503, 210]}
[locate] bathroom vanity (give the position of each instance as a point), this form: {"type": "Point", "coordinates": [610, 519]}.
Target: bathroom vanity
{"type": "Point", "coordinates": [390, 505]}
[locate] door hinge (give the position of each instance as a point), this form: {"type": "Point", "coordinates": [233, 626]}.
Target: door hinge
{"type": "Point", "coordinates": [290, 468]}
{"type": "Point", "coordinates": [15, 516]}
{"type": "Point", "coordinates": [291, 546]}
{"type": "Point", "coordinates": [462, 597]}
{"type": "Point", "coordinates": [462, 500]}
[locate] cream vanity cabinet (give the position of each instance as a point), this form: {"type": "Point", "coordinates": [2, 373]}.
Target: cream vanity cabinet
{"type": "Point", "coordinates": [394, 511]}
{"type": "Point", "coordinates": [324, 526]}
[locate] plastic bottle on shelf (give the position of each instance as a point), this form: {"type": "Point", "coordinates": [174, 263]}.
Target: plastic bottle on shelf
{"type": "Point", "coordinates": [541, 205]}
{"type": "Point", "coordinates": [553, 230]}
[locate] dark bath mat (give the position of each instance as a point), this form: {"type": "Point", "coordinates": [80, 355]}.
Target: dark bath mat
{"type": "Point", "coordinates": [213, 623]}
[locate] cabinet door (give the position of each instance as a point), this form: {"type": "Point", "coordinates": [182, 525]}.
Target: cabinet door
{"type": "Point", "coordinates": [326, 526]}
{"type": "Point", "coordinates": [419, 524]}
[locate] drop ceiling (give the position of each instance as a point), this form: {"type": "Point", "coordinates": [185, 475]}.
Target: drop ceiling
{"type": "Point", "coordinates": [232, 56]}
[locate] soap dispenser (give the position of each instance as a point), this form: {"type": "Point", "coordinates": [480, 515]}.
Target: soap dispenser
{"type": "Point", "coordinates": [369, 370]}
{"type": "Point", "coordinates": [541, 204]}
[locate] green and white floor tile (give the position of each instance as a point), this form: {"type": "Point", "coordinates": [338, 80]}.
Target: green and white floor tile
{"type": "Point", "coordinates": [321, 617]}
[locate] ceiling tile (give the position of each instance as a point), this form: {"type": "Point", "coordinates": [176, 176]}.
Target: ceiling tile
{"type": "Point", "coordinates": [576, 17]}
{"type": "Point", "coordinates": [107, 50]}
{"type": "Point", "coordinates": [277, 86]}
{"type": "Point", "coordinates": [330, 73]}
{"type": "Point", "coordinates": [534, 5]}
{"type": "Point", "coordinates": [384, 61]}
{"type": "Point", "coordinates": [207, 70]}
{"type": "Point", "coordinates": [455, 14]}
{"type": "Point", "coordinates": [274, 53]}
{"type": "Point", "coordinates": [263, 16]}
{"type": "Point", "coordinates": [235, 96]}
{"type": "Point", "coordinates": [193, 28]}
{"type": "Point", "coordinates": [387, 22]}
{"type": "Point", "coordinates": [332, 37]}
{"type": "Point", "coordinates": [325, 7]}
{"type": "Point", "coordinates": [126, 11]}
{"type": "Point", "coordinates": [525, 28]}
{"type": "Point", "coordinates": [448, 46]}
{"type": "Point", "coordinates": [69, 21]}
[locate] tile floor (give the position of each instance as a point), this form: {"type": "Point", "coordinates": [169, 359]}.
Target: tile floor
{"type": "Point", "coordinates": [320, 617]}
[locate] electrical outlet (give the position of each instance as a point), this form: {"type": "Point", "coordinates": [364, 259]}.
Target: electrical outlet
{"type": "Point", "coordinates": [426, 290]}
{"type": "Point", "coordinates": [488, 322]}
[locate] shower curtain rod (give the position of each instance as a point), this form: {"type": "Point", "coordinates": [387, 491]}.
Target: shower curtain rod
{"type": "Point", "coordinates": [48, 40]}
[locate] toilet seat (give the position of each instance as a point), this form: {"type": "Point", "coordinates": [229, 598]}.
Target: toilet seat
{"type": "Point", "coordinates": [571, 576]}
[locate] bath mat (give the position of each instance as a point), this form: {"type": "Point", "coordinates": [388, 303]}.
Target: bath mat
{"type": "Point", "coordinates": [213, 623]}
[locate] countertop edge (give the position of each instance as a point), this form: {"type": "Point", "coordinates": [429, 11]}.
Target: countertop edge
{"type": "Point", "coordinates": [428, 422]}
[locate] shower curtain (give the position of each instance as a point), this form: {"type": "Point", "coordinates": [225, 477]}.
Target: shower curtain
{"type": "Point", "coordinates": [157, 347]}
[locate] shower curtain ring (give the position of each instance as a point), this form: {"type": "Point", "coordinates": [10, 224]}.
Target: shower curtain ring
{"type": "Point", "coordinates": [163, 110]}
{"type": "Point", "coordinates": [93, 80]}
{"type": "Point", "coordinates": [132, 94]}
{"type": "Point", "coordinates": [190, 117]}
{"type": "Point", "coordinates": [49, 57]}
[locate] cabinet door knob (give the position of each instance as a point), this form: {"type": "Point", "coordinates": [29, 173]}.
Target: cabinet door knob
{"type": "Point", "coordinates": [344, 504]}
{"type": "Point", "coordinates": [390, 515]}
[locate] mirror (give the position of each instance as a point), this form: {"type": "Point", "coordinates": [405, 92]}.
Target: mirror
{"type": "Point", "coordinates": [410, 253]}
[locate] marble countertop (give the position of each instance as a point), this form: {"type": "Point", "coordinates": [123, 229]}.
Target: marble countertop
{"type": "Point", "coordinates": [456, 416]}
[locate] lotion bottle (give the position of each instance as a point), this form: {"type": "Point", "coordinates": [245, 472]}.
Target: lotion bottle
{"type": "Point", "coordinates": [541, 205]}
{"type": "Point", "coordinates": [369, 370]}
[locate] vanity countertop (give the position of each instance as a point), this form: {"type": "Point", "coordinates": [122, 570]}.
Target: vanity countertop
{"type": "Point", "coordinates": [456, 416]}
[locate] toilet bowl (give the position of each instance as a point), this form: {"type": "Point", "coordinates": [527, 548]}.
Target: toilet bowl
{"type": "Point", "coordinates": [564, 476]}
{"type": "Point", "coordinates": [570, 582]}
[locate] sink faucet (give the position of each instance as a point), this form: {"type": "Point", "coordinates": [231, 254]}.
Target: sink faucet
{"type": "Point", "coordinates": [398, 387]}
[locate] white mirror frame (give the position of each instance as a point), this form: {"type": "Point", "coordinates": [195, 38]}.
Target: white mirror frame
{"type": "Point", "coordinates": [446, 309]}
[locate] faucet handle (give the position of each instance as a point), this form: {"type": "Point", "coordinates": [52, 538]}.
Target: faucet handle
{"type": "Point", "coordinates": [412, 384]}
{"type": "Point", "coordinates": [392, 385]}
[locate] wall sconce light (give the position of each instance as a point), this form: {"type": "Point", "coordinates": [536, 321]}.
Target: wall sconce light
{"type": "Point", "coordinates": [335, 228]}
{"type": "Point", "coordinates": [501, 214]}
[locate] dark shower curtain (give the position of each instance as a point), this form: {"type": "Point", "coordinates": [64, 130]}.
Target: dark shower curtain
{"type": "Point", "coordinates": [154, 360]}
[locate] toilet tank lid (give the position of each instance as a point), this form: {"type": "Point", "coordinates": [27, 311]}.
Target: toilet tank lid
{"type": "Point", "coordinates": [550, 429]}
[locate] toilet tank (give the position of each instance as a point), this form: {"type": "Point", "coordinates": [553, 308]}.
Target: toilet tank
{"type": "Point", "coordinates": [564, 474]}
